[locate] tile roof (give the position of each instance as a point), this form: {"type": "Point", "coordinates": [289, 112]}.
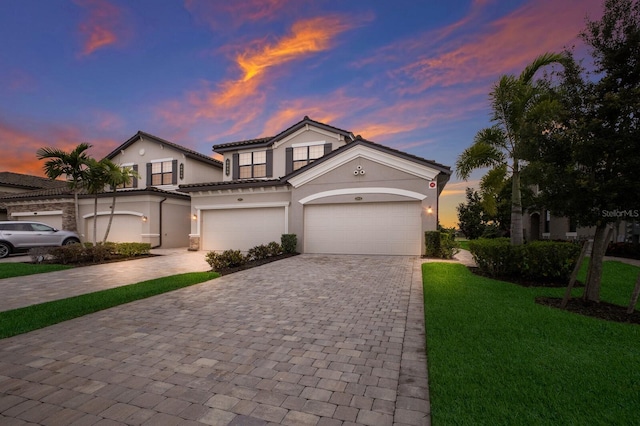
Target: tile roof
{"type": "Point", "coordinates": [188, 152]}
{"type": "Point", "coordinates": [18, 180]}
{"type": "Point", "coordinates": [66, 192]}
{"type": "Point", "coordinates": [244, 183]}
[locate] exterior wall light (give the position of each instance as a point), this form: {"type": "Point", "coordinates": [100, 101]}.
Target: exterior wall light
{"type": "Point", "coordinates": [429, 210]}
{"type": "Point", "coordinates": [144, 218]}
{"type": "Point", "coordinates": [194, 216]}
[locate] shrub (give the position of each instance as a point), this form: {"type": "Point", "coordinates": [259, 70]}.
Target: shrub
{"type": "Point", "coordinates": [224, 260]}
{"type": "Point", "coordinates": [274, 249]}
{"type": "Point", "coordinates": [132, 249]}
{"type": "Point", "coordinates": [628, 250]}
{"type": "Point", "coordinates": [289, 243]}
{"type": "Point", "coordinates": [440, 244]}
{"type": "Point", "coordinates": [545, 261]}
{"type": "Point", "coordinates": [258, 252]}
{"type": "Point", "coordinates": [74, 253]}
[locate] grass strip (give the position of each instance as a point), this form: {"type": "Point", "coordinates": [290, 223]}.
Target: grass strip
{"type": "Point", "coordinates": [9, 270]}
{"type": "Point", "coordinates": [497, 357]}
{"type": "Point", "coordinates": [23, 320]}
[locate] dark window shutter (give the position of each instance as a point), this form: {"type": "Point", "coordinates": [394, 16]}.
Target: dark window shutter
{"type": "Point", "coordinates": [135, 179]}
{"type": "Point", "coordinates": [174, 174]}
{"type": "Point", "coordinates": [288, 160]}
{"type": "Point", "coordinates": [327, 148]}
{"type": "Point", "coordinates": [149, 174]}
{"type": "Point", "coordinates": [269, 163]}
{"type": "Point", "coordinates": [236, 166]}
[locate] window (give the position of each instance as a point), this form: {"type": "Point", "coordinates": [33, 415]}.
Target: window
{"type": "Point", "coordinates": [133, 183]}
{"type": "Point", "coordinates": [252, 164]}
{"type": "Point", "coordinates": [303, 155]}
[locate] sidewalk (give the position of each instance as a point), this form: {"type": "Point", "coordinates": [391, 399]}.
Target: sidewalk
{"type": "Point", "coordinates": [29, 290]}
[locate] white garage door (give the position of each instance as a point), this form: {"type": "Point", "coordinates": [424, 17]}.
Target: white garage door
{"type": "Point", "coordinates": [51, 220]}
{"type": "Point", "coordinates": [367, 228]}
{"type": "Point", "coordinates": [241, 229]}
{"type": "Point", "coordinates": [124, 229]}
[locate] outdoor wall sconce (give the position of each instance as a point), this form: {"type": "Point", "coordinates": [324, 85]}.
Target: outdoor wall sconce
{"type": "Point", "coordinates": [144, 218]}
{"type": "Point", "coordinates": [429, 210]}
{"type": "Point", "coordinates": [194, 216]}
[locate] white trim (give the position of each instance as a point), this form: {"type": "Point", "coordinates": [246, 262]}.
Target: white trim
{"type": "Point", "coordinates": [127, 164]}
{"type": "Point", "coordinates": [241, 205]}
{"type": "Point", "coordinates": [301, 144]}
{"type": "Point", "coordinates": [161, 160]}
{"type": "Point", "coordinates": [120, 212]}
{"type": "Point", "coordinates": [304, 129]}
{"type": "Point", "coordinates": [149, 235]}
{"type": "Point", "coordinates": [371, 154]}
{"type": "Point", "coordinates": [38, 213]}
{"type": "Point", "coordinates": [349, 191]}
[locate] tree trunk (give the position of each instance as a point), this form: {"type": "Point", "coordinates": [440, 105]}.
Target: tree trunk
{"type": "Point", "coordinates": [95, 221]}
{"type": "Point", "coordinates": [634, 297]}
{"type": "Point", "coordinates": [516, 209]}
{"type": "Point", "coordinates": [574, 274]}
{"type": "Point", "coordinates": [77, 211]}
{"type": "Point", "coordinates": [594, 276]}
{"type": "Point", "coordinates": [113, 209]}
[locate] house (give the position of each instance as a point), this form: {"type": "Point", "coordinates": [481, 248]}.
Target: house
{"type": "Point", "coordinates": [149, 210]}
{"type": "Point", "coordinates": [15, 183]}
{"type": "Point", "coordinates": [337, 192]}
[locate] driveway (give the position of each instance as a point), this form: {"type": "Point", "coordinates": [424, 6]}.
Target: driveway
{"type": "Point", "coordinates": [308, 340]}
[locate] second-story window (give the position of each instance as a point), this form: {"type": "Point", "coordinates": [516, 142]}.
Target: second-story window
{"type": "Point", "coordinates": [253, 164]}
{"type": "Point", "coordinates": [162, 173]}
{"type": "Point", "coordinates": [133, 182]}
{"type": "Point", "coordinates": [303, 155]}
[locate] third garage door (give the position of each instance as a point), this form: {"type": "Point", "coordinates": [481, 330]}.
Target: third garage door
{"type": "Point", "coordinates": [367, 228]}
{"type": "Point", "coordinates": [241, 229]}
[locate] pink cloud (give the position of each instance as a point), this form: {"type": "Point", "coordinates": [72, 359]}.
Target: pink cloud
{"type": "Point", "coordinates": [103, 27]}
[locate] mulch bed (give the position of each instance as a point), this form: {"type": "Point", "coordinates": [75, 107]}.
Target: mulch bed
{"type": "Point", "coordinates": [255, 263]}
{"type": "Point", "coordinates": [112, 259]}
{"type": "Point", "coordinates": [601, 310]}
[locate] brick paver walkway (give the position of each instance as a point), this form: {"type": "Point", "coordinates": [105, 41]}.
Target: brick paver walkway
{"type": "Point", "coordinates": [309, 340]}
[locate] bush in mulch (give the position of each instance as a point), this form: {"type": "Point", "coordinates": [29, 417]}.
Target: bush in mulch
{"type": "Point", "coordinates": [253, 263]}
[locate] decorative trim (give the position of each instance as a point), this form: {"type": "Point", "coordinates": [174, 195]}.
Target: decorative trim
{"type": "Point", "coordinates": [349, 191]}
{"type": "Point", "coordinates": [374, 155]}
{"type": "Point", "coordinates": [120, 212]}
{"type": "Point", "coordinates": [150, 235]}
{"type": "Point", "coordinates": [161, 160]}
{"type": "Point", "coordinates": [38, 213]}
{"type": "Point", "coordinates": [304, 129]}
{"type": "Point", "coordinates": [243, 206]}
{"type": "Point", "coordinates": [301, 144]}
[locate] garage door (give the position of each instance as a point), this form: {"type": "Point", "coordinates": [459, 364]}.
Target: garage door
{"type": "Point", "coordinates": [368, 228]}
{"type": "Point", "coordinates": [241, 229]}
{"type": "Point", "coordinates": [124, 229]}
{"type": "Point", "coordinates": [54, 221]}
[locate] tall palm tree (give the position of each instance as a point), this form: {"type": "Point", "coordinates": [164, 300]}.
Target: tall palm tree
{"type": "Point", "coordinates": [117, 176]}
{"type": "Point", "coordinates": [515, 102]}
{"type": "Point", "coordinates": [70, 164]}
{"type": "Point", "coordinates": [95, 181]}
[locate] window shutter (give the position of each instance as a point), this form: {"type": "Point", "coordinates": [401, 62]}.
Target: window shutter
{"type": "Point", "coordinates": [327, 148]}
{"type": "Point", "coordinates": [149, 174]}
{"type": "Point", "coordinates": [288, 160]}
{"type": "Point", "coordinates": [135, 178]}
{"type": "Point", "coordinates": [174, 172]}
{"type": "Point", "coordinates": [236, 166]}
{"type": "Point", "coordinates": [269, 163]}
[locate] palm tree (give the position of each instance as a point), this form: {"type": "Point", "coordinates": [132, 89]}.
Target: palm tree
{"type": "Point", "coordinates": [515, 102]}
{"type": "Point", "coordinates": [70, 164]}
{"type": "Point", "coordinates": [117, 176]}
{"type": "Point", "coordinates": [95, 181]}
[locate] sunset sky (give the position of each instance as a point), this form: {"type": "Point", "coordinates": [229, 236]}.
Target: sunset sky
{"type": "Point", "coordinates": [413, 75]}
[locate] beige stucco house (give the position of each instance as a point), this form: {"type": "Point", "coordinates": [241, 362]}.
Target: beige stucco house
{"type": "Point", "coordinates": [337, 192]}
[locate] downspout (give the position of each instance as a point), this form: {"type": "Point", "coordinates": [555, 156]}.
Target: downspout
{"type": "Point", "coordinates": [160, 222]}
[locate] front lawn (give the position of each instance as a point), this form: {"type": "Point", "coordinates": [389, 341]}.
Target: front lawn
{"type": "Point", "coordinates": [497, 357]}
{"type": "Point", "coordinates": [23, 320]}
{"type": "Point", "coordinates": [8, 270]}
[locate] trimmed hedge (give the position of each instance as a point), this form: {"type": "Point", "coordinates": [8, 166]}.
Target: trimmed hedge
{"type": "Point", "coordinates": [628, 250]}
{"type": "Point", "coordinates": [289, 242]}
{"type": "Point", "coordinates": [234, 258]}
{"type": "Point", "coordinates": [88, 253]}
{"type": "Point", "coordinates": [545, 261]}
{"type": "Point", "coordinates": [440, 244]}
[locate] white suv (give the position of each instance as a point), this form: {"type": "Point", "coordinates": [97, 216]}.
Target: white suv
{"type": "Point", "coordinates": [20, 236]}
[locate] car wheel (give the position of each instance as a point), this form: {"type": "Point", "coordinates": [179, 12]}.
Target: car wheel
{"type": "Point", "coordinates": [69, 241]}
{"type": "Point", "coordinates": [5, 250]}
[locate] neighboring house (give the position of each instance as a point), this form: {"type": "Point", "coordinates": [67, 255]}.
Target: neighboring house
{"type": "Point", "coordinates": [149, 210]}
{"type": "Point", "coordinates": [338, 193]}
{"type": "Point", "coordinates": [15, 183]}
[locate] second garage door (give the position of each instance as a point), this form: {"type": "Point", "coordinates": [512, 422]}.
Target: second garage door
{"type": "Point", "coordinates": [367, 228]}
{"type": "Point", "coordinates": [241, 229]}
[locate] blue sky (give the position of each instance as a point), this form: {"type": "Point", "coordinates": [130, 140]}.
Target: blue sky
{"type": "Point", "coordinates": [413, 75]}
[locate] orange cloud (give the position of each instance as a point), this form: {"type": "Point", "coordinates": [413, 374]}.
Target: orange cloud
{"type": "Point", "coordinates": [505, 45]}
{"type": "Point", "coordinates": [102, 27]}
{"type": "Point", "coordinates": [238, 102]}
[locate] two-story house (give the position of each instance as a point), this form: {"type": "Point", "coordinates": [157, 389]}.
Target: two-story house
{"type": "Point", "coordinates": [337, 192]}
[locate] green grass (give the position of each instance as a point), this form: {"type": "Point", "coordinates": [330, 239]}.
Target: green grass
{"type": "Point", "coordinates": [23, 320]}
{"type": "Point", "coordinates": [8, 270]}
{"type": "Point", "coordinates": [463, 243]}
{"type": "Point", "coordinates": [496, 357]}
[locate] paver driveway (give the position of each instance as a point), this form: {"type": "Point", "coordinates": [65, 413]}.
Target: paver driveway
{"type": "Point", "coordinates": [309, 340]}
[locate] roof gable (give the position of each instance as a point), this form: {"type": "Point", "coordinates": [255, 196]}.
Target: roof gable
{"type": "Point", "coordinates": [189, 153]}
